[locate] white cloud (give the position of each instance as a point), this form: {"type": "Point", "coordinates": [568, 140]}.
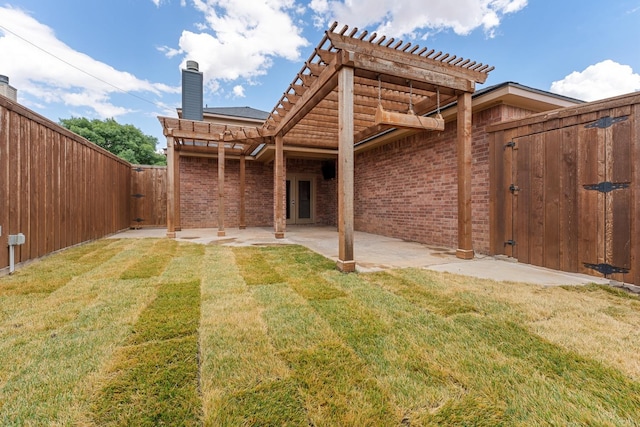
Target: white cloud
{"type": "Point", "coordinates": [43, 67]}
{"type": "Point", "coordinates": [240, 40]}
{"type": "Point", "coordinates": [416, 19]}
{"type": "Point", "coordinates": [602, 80]}
{"type": "Point", "coordinates": [238, 91]}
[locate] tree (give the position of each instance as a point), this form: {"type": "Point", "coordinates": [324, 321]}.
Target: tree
{"type": "Point", "coordinates": [125, 141]}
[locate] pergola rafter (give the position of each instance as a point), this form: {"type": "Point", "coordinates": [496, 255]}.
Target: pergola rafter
{"type": "Point", "coordinates": [391, 84]}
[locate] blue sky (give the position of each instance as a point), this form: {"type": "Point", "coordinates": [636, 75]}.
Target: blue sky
{"type": "Point", "coordinates": [122, 58]}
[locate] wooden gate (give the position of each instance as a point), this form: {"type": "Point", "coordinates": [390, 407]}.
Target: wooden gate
{"type": "Point", "coordinates": [564, 189]}
{"type": "Point", "coordinates": [149, 196]}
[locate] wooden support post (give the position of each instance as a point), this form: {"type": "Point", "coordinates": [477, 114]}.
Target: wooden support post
{"type": "Point", "coordinates": [279, 214]}
{"type": "Point", "coordinates": [171, 228]}
{"type": "Point", "coordinates": [243, 223]}
{"type": "Point", "coordinates": [346, 261]}
{"type": "Point", "coordinates": [176, 186]}
{"type": "Point", "coordinates": [221, 231]}
{"type": "Point", "coordinates": [465, 243]}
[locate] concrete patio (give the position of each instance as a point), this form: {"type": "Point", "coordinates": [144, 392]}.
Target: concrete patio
{"type": "Point", "coordinates": [374, 252]}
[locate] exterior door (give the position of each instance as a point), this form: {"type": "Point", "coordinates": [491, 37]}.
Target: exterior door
{"type": "Point", "coordinates": [605, 182]}
{"type": "Point", "coordinates": [300, 199]}
{"type": "Point", "coordinates": [569, 193]}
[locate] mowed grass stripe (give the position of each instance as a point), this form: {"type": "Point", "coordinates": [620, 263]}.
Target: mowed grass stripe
{"type": "Point", "coordinates": [54, 342]}
{"type": "Point", "coordinates": [53, 272]}
{"type": "Point", "coordinates": [151, 384]}
{"type": "Point", "coordinates": [332, 380]}
{"type": "Point", "coordinates": [383, 330]}
{"type": "Point", "coordinates": [154, 262]}
{"type": "Point", "coordinates": [243, 381]}
{"type": "Point", "coordinates": [153, 378]}
{"type": "Point", "coordinates": [516, 364]}
{"type": "Point", "coordinates": [175, 313]}
{"type": "Point", "coordinates": [329, 304]}
{"type": "Point", "coordinates": [307, 278]}
{"type": "Point", "coordinates": [254, 268]}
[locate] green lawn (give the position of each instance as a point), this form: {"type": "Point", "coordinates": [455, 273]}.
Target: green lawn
{"type": "Point", "coordinates": [154, 332]}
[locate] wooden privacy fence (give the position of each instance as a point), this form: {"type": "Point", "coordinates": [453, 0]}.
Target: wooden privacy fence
{"type": "Point", "coordinates": [148, 196]}
{"type": "Point", "coordinates": [56, 188]}
{"type": "Point", "coordinates": [565, 189]}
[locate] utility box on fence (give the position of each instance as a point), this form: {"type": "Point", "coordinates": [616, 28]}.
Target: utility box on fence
{"type": "Point", "coordinates": [16, 239]}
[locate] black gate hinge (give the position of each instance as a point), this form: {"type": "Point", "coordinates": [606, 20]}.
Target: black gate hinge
{"type": "Point", "coordinates": [138, 169]}
{"type": "Point", "coordinates": [139, 219]}
{"type": "Point", "coordinates": [606, 269]}
{"type": "Point", "coordinates": [137, 195]}
{"type": "Point", "coordinates": [510, 242]}
{"type": "Point", "coordinates": [605, 122]}
{"type": "Point", "coordinates": [511, 144]}
{"type": "Point", "coordinates": [607, 186]}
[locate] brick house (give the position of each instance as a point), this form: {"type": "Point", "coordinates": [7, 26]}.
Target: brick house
{"type": "Point", "coordinates": [384, 138]}
{"type": "Point", "coordinates": [405, 182]}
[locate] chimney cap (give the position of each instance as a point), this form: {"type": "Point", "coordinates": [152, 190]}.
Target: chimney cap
{"type": "Point", "coordinates": [192, 66]}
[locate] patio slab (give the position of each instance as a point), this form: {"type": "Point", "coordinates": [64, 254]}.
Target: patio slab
{"type": "Point", "coordinates": [374, 253]}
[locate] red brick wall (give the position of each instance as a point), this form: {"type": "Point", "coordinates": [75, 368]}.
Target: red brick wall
{"type": "Point", "coordinates": [408, 188]}
{"type": "Point", "coordinates": [258, 193]}
{"type": "Point", "coordinates": [199, 193]}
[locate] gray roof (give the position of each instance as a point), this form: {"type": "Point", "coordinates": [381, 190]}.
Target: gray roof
{"type": "Point", "coordinates": [242, 112]}
{"type": "Point", "coordinates": [529, 88]}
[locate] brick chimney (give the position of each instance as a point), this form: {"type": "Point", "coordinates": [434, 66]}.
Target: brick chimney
{"type": "Point", "coordinates": [7, 90]}
{"type": "Point", "coordinates": [192, 97]}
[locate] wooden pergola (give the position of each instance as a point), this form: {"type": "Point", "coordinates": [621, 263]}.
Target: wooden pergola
{"type": "Point", "coordinates": [353, 87]}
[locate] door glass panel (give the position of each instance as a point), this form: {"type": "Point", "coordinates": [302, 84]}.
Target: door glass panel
{"type": "Point", "coordinates": [304, 199]}
{"type": "Point", "coordinates": [288, 199]}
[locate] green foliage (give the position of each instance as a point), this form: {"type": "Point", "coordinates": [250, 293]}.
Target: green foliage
{"type": "Point", "coordinates": [125, 141]}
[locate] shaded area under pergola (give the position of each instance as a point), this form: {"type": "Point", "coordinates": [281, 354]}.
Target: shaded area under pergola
{"type": "Point", "coordinates": [354, 87]}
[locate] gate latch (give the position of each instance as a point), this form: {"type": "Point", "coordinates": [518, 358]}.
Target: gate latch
{"type": "Point", "coordinates": [513, 188]}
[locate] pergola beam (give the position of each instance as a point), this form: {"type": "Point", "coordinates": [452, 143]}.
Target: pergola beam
{"type": "Point", "coordinates": [427, 63]}
{"type": "Point", "coordinates": [320, 88]}
{"type": "Point", "coordinates": [385, 66]}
